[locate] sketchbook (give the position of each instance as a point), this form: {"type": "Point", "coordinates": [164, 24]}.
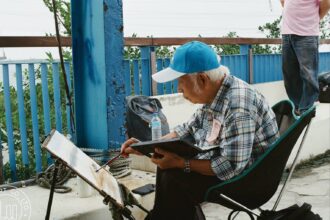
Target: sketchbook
{"type": "Point", "coordinates": [84, 166]}
{"type": "Point", "coordinates": [183, 147]}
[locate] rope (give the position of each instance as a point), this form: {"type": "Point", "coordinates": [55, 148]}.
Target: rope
{"type": "Point", "coordinates": [44, 179]}
{"type": "Point", "coordinates": [118, 168]}
{"type": "Point", "coordinates": [121, 167]}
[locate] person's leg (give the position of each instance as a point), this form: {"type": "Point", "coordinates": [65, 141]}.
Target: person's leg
{"type": "Point", "coordinates": [290, 68]}
{"type": "Point", "coordinates": [177, 194]}
{"type": "Point", "coordinates": [306, 48]}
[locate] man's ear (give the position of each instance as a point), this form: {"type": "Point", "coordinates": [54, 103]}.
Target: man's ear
{"type": "Point", "coordinates": [203, 79]}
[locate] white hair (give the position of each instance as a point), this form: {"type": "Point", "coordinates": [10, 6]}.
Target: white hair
{"type": "Point", "coordinates": [214, 75]}
{"type": "Point", "coordinates": [217, 74]}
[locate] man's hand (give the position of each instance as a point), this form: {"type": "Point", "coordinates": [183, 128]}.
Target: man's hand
{"type": "Point", "coordinates": [171, 135]}
{"type": "Point", "coordinates": [166, 160]}
{"type": "Point", "coordinates": [126, 149]}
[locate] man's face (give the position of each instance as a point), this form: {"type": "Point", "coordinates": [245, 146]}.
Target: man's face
{"type": "Point", "coordinates": [188, 86]}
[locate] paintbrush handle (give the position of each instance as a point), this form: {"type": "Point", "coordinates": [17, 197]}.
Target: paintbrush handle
{"type": "Point", "coordinates": [100, 167]}
{"type": "Point", "coordinates": [109, 162]}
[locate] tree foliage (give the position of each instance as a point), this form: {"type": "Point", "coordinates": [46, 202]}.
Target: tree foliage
{"type": "Point", "coordinates": [272, 30]}
{"type": "Point", "coordinates": [325, 27]}
{"type": "Point", "coordinates": [63, 14]}
{"type": "Point", "coordinates": [228, 49]}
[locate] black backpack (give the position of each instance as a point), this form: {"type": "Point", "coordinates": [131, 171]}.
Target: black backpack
{"type": "Point", "coordinates": [138, 116]}
{"type": "Point", "coordinates": [293, 212]}
{"type": "Point", "coordinates": [324, 85]}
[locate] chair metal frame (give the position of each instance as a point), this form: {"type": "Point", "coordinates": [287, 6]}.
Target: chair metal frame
{"type": "Point", "coordinates": [240, 207]}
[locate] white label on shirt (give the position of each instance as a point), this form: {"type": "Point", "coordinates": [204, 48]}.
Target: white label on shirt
{"type": "Point", "coordinates": [214, 132]}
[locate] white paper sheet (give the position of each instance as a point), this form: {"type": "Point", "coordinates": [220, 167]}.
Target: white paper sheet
{"type": "Point", "coordinates": [62, 148]}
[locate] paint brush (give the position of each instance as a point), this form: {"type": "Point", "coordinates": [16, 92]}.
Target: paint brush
{"type": "Point", "coordinates": [108, 162]}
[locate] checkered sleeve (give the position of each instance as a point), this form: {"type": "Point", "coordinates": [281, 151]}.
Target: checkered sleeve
{"type": "Point", "coordinates": [187, 127]}
{"type": "Point", "coordinates": [236, 146]}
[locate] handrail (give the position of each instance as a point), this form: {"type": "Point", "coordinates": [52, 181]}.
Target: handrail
{"type": "Point", "coordinates": [33, 41]}
{"type": "Point", "coordinates": [42, 41]}
{"type": "Point", "coordinates": [28, 61]}
{"type": "Point", "coordinates": [133, 41]}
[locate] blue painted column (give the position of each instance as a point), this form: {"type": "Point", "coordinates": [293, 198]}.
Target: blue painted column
{"type": "Point", "coordinates": [99, 92]}
{"type": "Point", "coordinates": [114, 69]}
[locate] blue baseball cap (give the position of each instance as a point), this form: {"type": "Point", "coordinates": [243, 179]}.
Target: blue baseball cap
{"type": "Point", "coordinates": [192, 57]}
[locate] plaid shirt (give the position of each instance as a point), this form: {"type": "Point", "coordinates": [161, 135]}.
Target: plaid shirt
{"type": "Point", "coordinates": [247, 128]}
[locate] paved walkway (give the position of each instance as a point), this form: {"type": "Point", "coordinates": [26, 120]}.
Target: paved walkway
{"type": "Point", "coordinates": [313, 188]}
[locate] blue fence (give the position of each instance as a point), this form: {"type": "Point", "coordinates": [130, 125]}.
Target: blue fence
{"type": "Point", "coordinates": [265, 68]}
{"type": "Point", "coordinates": [32, 102]}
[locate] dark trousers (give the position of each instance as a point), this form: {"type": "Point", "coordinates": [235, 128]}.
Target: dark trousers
{"type": "Point", "coordinates": [177, 194]}
{"type": "Point", "coordinates": [300, 65]}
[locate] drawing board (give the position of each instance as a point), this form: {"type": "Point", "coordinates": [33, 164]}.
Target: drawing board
{"type": "Point", "coordinates": [85, 167]}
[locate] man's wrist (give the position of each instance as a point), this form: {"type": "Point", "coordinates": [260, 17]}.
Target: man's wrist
{"type": "Point", "coordinates": [181, 164]}
{"type": "Point", "coordinates": [187, 168]}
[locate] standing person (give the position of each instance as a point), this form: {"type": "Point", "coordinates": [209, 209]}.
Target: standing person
{"type": "Point", "coordinates": [300, 55]}
{"type": "Point", "coordinates": [235, 117]}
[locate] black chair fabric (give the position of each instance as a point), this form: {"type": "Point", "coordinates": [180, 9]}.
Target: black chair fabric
{"type": "Point", "coordinates": [256, 185]}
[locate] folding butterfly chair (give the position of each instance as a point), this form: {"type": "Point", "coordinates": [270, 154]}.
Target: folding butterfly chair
{"type": "Point", "coordinates": [256, 185]}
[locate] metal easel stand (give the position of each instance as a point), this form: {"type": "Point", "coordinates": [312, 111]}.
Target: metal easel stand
{"type": "Point", "coordinates": [51, 193]}
{"type": "Point", "coordinates": [114, 207]}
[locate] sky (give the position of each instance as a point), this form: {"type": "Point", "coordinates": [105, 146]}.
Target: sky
{"type": "Point", "coordinates": [210, 18]}
{"type": "Point", "coordinates": [158, 18]}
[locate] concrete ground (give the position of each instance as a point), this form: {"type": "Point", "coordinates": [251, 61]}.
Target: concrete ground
{"type": "Point", "coordinates": [312, 188]}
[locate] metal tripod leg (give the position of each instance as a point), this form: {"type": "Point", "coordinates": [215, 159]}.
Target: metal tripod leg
{"type": "Point", "coordinates": [51, 193]}
{"type": "Point", "coordinates": [292, 168]}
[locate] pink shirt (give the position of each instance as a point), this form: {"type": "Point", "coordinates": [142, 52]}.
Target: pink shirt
{"type": "Point", "coordinates": [301, 17]}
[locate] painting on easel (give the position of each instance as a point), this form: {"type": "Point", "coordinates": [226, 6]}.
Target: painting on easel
{"type": "Point", "coordinates": [84, 166]}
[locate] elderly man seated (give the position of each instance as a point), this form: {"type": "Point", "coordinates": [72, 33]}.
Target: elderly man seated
{"type": "Point", "coordinates": [235, 117]}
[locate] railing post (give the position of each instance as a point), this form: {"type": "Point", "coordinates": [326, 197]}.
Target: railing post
{"type": "Point", "coordinates": [148, 55]}
{"type": "Point", "coordinates": [34, 117]}
{"type": "Point", "coordinates": [1, 162]}
{"type": "Point", "coordinates": [9, 122]}
{"type": "Point", "coordinates": [146, 70]}
{"type": "Point", "coordinates": [251, 74]}
{"type": "Point", "coordinates": [153, 67]}
{"type": "Point", "coordinates": [246, 49]}
{"type": "Point", "coordinates": [21, 114]}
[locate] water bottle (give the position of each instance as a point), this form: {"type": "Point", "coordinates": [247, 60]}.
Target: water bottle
{"type": "Point", "coordinates": [156, 127]}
